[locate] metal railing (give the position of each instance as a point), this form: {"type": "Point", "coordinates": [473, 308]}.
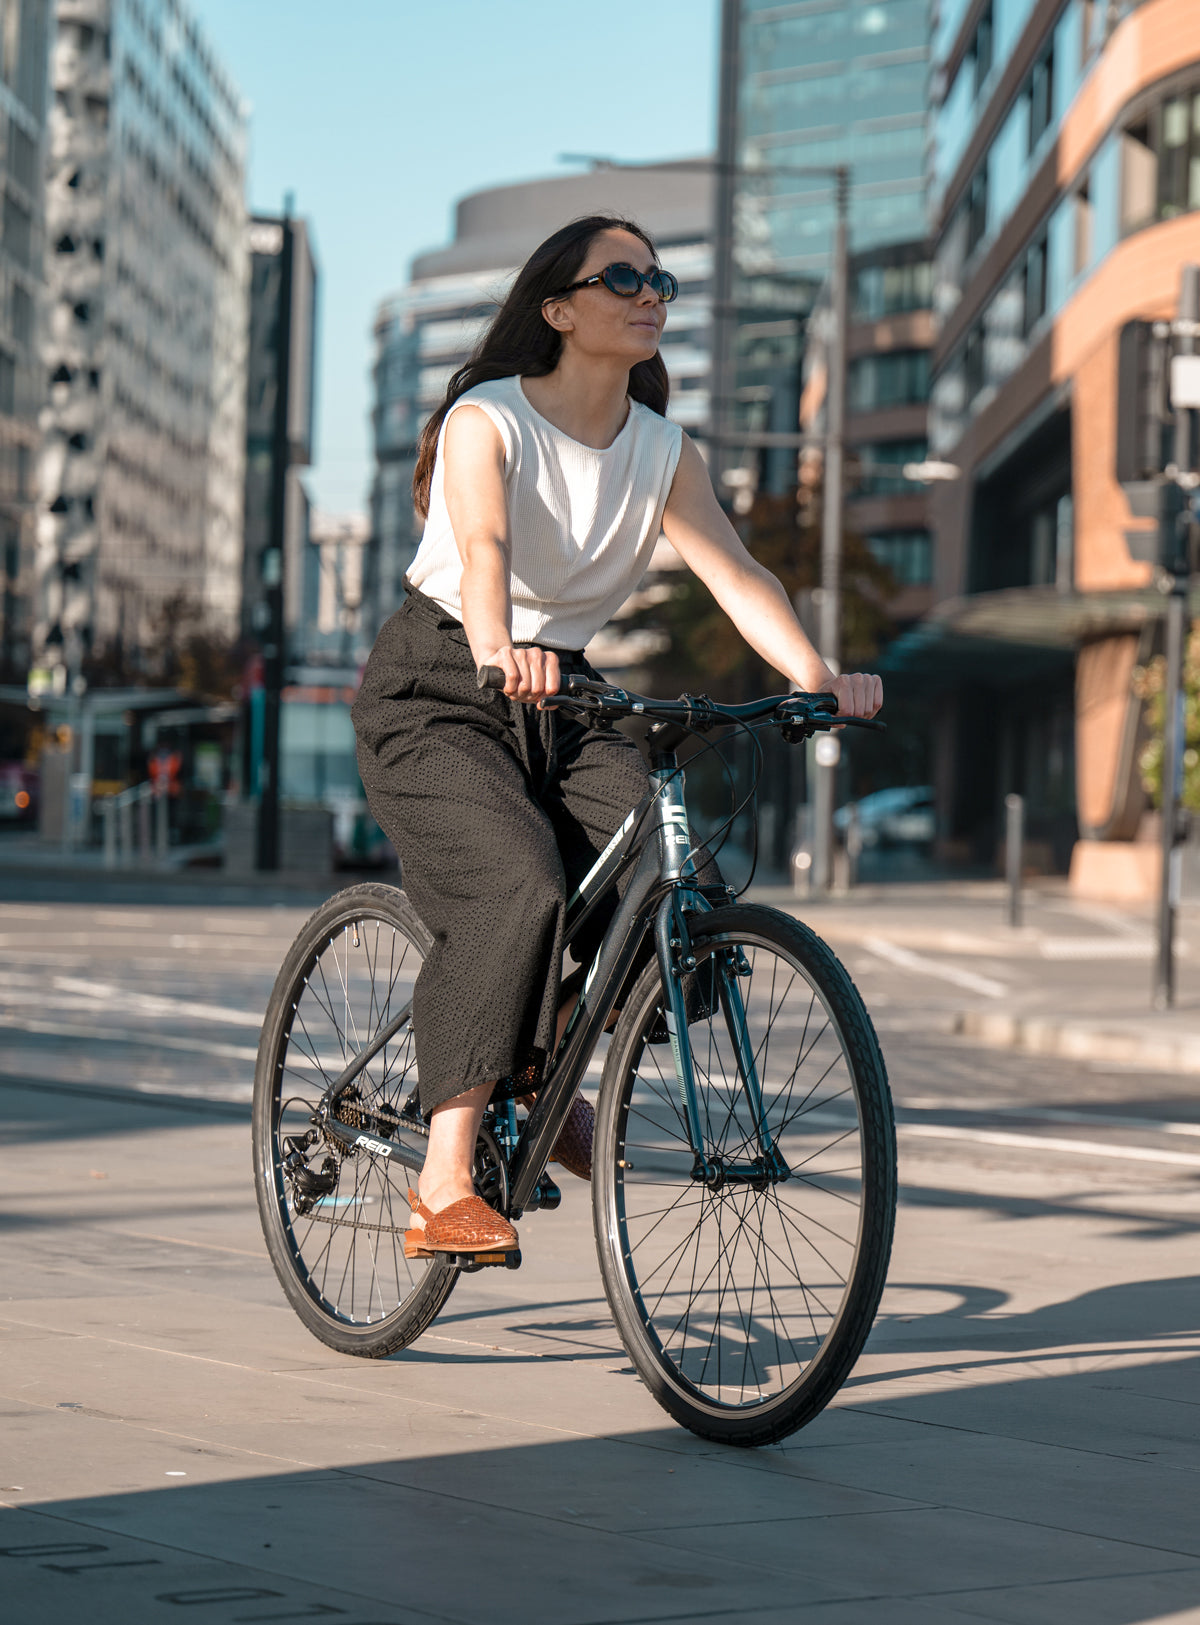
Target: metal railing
{"type": "Point", "coordinates": [139, 810]}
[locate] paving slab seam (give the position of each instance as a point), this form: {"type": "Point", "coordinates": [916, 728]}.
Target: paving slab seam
{"type": "Point", "coordinates": [799, 1603]}
{"type": "Point", "coordinates": [256, 1567]}
{"type": "Point", "coordinates": [165, 1433]}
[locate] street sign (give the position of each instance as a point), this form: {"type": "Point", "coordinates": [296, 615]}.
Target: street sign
{"type": "Point", "coordinates": [1185, 381]}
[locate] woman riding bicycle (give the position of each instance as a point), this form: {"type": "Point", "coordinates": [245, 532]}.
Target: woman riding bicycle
{"type": "Point", "coordinates": [545, 478]}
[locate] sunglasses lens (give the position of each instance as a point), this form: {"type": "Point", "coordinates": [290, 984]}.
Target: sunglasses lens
{"type": "Point", "coordinates": [664, 285]}
{"type": "Point", "coordinates": [623, 280]}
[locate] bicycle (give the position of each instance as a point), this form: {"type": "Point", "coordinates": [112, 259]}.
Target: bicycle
{"type": "Point", "coordinates": [744, 1165]}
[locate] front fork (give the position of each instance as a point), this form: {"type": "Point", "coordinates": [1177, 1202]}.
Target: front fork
{"type": "Point", "coordinates": [677, 961]}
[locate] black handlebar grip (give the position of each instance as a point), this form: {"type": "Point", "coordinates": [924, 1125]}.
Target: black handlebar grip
{"type": "Point", "coordinates": [491, 677]}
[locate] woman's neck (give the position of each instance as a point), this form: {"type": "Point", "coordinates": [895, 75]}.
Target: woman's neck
{"type": "Point", "coordinates": [586, 399]}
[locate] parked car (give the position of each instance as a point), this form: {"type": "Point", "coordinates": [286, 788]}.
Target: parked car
{"type": "Point", "coordinates": [902, 815]}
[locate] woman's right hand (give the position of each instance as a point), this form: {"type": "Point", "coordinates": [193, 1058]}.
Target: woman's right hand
{"type": "Point", "coordinates": [532, 674]}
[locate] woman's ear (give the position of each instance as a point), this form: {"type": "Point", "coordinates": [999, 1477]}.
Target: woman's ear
{"type": "Point", "coordinates": [558, 313]}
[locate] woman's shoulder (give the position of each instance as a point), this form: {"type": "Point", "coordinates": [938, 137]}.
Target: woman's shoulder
{"type": "Point", "coordinates": [656, 428]}
{"type": "Point", "coordinates": [493, 392]}
{"type": "Point", "coordinates": [495, 397]}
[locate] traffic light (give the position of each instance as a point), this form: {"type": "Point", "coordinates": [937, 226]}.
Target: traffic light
{"type": "Point", "coordinates": [1144, 421]}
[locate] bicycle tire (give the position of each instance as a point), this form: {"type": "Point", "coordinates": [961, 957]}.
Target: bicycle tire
{"type": "Point", "coordinates": [810, 1327]}
{"type": "Point", "coordinates": [307, 1038]}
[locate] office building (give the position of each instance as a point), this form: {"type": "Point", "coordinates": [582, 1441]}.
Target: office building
{"type": "Point", "coordinates": [1066, 197]}
{"type": "Point", "coordinates": [24, 82]}
{"type": "Point", "coordinates": [426, 331]}
{"type": "Point", "coordinates": [144, 352]}
{"type": "Point", "coordinates": [810, 87]}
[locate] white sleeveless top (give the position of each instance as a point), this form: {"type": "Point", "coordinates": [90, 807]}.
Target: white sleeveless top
{"type": "Point", "coordinates": [583, 522]}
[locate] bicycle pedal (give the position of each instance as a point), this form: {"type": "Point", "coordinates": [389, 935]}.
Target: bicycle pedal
{"type": "Point", "coordinates": [470, 1262]}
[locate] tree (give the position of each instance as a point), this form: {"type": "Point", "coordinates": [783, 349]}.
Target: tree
{"type": "Point", "coordinates": [1150, 686]}
{"type": "Point", "coordinates": [702, 648]}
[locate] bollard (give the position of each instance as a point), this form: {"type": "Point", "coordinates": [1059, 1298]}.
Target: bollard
{"type": "Point", "coordinates": [109, 809]}
{"type": "Point", "coordinates": [854, 845]}
{"type": "Point", "coordinates": [1014, 842]}
{"type": "Point", "coordinates": [162, 832]}
{"type": "Point", "coordinates": [143, 826]}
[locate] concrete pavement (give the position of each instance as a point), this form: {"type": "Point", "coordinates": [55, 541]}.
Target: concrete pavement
{"type": "Point", "coordinates": [1018, 1443]}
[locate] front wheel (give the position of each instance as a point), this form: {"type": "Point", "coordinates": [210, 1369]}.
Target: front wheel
{"type": "Point", "coordinates": [744, 1283]}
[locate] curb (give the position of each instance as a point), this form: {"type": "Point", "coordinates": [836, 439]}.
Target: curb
{"type": "Point", "coordinates": [1079, 1040]}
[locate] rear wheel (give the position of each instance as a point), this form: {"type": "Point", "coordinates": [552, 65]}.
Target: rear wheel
{"type": "Point", "coordinates": [744, 1291]}
{"type": "Point", "coordinates": [334, 1218]}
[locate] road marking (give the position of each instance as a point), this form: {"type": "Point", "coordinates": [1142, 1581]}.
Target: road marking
{"type": "Point", "coordinates": [906, 960]}
{"type": "Point", "coordinates": [1127, 947]}
{"type": "Point", "coordinates": [157, 1004]}
{"type": "Point", "coordinates": [122, 1035]}
{"type": "Point", "coordinates": [1041, 1142]}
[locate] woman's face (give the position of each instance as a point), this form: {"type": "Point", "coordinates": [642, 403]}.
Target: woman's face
{"type": "Point", "coordinates": [599, 323]}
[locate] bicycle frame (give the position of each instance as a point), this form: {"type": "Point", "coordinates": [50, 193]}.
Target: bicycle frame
{"type": "Point", "coordinates": [662, 891]}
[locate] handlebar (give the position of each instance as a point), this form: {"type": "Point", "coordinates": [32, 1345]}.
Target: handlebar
{"type": "Point", "coordinates": [805, 713]}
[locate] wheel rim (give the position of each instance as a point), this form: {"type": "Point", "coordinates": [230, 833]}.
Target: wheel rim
{"type": "Point", "coordinates": [347, 1243]}
{"type": "Point", "coordinates": [741, 1288]}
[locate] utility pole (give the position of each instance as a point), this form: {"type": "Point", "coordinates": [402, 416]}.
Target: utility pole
{"type": "Point", "coordinates": [274, 636]}
{"type": "Point", "coordinates": [1175, 557]}
{"type": "Point", "coordinates": [827, 747]}
{"type": "Point", "coordinates": [724, 268]}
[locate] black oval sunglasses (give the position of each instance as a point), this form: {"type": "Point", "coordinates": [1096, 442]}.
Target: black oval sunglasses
{"type": "Point", "coordinates": [626, 281]}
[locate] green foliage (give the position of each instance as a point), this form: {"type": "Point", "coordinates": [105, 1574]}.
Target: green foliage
{"type": "Point", "coordinates": [702, 648]}
{"type": "Point", "coordinates": [1150, 686]}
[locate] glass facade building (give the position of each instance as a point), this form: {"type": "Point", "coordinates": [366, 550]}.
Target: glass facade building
{"type": "Point", "coordinates": [822, 83]}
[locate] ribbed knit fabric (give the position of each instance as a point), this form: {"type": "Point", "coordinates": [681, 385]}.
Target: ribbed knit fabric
{"type": "Point", "coordinates": [583, 522]}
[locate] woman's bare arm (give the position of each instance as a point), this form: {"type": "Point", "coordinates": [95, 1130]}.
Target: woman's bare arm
{"type": "Point", "coordinates": [750, 595]}
{"type": "Point", "coordinates": [477, 502]}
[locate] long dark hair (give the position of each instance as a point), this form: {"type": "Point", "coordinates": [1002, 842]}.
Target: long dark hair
{"type": "Point", "coordinates": [521, 341]}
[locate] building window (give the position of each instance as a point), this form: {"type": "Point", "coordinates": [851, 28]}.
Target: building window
{"type": "Point", "coordinates": [973, 370]}
{"type": "Point", "coordinates": [908, 554]}
{"type": "Point", "coordinates": [1035, 284]}
{"type": "Point", "coordinates": [887, 458]}
{"type": "Point", "coordinates": [886, 290]}
{"type": "Point", "coordinates": [18, 231]}
{"type": "Point", "coordinates": [895, 378]}
{"type": "Point", "coordinates": [977, 202]}
{"type": "Point", "coordinates": [1179, 156]}
{"type": "Point", "coordinates": [982, 49]}
{"type": "Point", "coordinates": [22, 315]}
{"type": "Point", "coordinates": [1041, 98]}
{"type": "Point", "coordinates": [1160, 163]}
{"type": "Point", "coordinates": [1084, 228]}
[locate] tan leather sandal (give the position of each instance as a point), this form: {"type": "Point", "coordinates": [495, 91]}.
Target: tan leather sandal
{"type": "Point", "coordinates": [466, 1226]}
{"type": "Point", "coordinates": [573, 1148]}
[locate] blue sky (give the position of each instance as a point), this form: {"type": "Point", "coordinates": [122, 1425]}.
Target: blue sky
{"type": "Point", "coordinates": [379, 114]}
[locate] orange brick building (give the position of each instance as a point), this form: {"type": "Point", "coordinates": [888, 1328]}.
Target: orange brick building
{"type": "Point", "coordinates": [1065, 182]}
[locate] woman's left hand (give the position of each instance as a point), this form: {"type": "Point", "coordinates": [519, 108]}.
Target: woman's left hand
{"type": "Point", "coordinates": [859, 694]}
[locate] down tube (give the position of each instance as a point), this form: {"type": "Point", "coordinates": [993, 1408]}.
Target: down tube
{"type": "Point", "coordinates": [609, 970]}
